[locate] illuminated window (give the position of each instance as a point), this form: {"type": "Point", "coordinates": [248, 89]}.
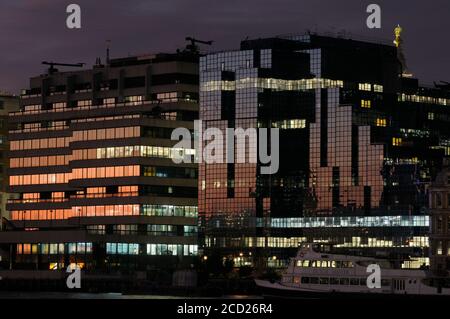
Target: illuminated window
{"type": "Point", "coordinates": [133, 100]}
{"type": "Point", "coordinates": [378, 88]}
{"type": "Point", "coordinates": [290, 124]}
{"type": "Point", "coordinates": [396, 141]}
{"type": "Point", "coordinates": [366, 104]}
{"type": "Point", "coordinates": [364, 86]}
{"type": "Point", "coordinates": [430, 116]}
{"type": "Point", "coordinates": [380, 122]}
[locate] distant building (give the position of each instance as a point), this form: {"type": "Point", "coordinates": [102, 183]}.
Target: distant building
{"type": "Point", "coordinates": [91, 159]}
{"type": "Point", "coordinates": [440, 223]}
{"type": "Point", "coordinates": [8, 103]}
{"type": "Point", "coordinates": [359, 144]}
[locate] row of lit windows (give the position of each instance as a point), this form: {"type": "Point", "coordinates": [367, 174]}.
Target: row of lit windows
{"type": "Point", "coordinates": [38, 179]}
{"type": "Point", "coordinates": [35, 197]}
{"type": "Point", "coordinates": [54, 249]}
{"type": "Point", "coordinates": [347, 221]}
{"type": "Point", "coordinates": [106, 172]}
{"type": "Point", "coordinates": [53, 107]}
{"type": "Point", "coordinates": [408, 132]}
{"type": "Point", "coordinates": [61, 125]}
{"type": "Point", "coordinates": [401, 161]}
{"type": "Point", "coordinates": [152, 249]}
{"type": "Point", "coordinates": [54, 142]}
{"type": "Point", "coordinates": [290, 124]}
{"type": "Point", "coordinates": [77, 211]}
{"type": "Point", "coordinates": [270, 83]}
{"type": "Point", "coordinates": [332, 281]}
{"type": "Point", "coordinates": [167, 96]}
{"type": "Point", "coordinates": [50, 160]}
{"type": "Point", "coordinates": [32, 107]}
{"type": "Point", "coordinates": [37, 127]}
{"type": "Point", "coordinates": [122, 249]}
{"type": "Point", "coordinates": [365, 86]}
{"type": "Point", "coordinates": [84, 103]}
{"type": "Point", "coordinates": [368, 87]}
{"type": "Point", "coordinates": [106, 118]}
{"type": "Point", "coordinates": [324, 263]}
{"type": "Point", "coordinates": [413, 241]}
{"type": "Point", "coordinates": [380, 122]}
{"type": "Point", "coordinates": [133, 99]}
{"type": "Point", "coordinates": [173, 250]}
{"type": "Point", "coordinates": [423, 99]}
{"type": "Point", "coordinates": [154, 230]}
{"type": "Point", "coordinates": [130, 151]}
{"type": "Point", "coordinates": [42, 214]}
{"type": "Point", "coordinates": [91, 192]}
{"type": "Point", "coordinates": [106, 210]}
{"type": "Point", "coordinates": [169, 210]}
{"type": "Point", "coordinates": [107, 102]}
{"type": "Point", "coordinates": [107, 133]}
{"type": "Point", "coordinates": [37, 107]}
{"type": "Point", "coordinates": [293, 242]}
{"type": "Point", "coordinates": [170, 172]}
{"type": "Point", "coordinates": [125, 189]}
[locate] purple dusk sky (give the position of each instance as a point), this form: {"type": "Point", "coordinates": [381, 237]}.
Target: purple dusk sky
{"type": "Point", "coordinates": [35, 30]}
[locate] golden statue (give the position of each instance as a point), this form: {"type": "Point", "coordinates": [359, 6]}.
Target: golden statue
{"type": "Point", "coordinates": [400, 55]}
{"type": "Point", "coordinates": [398, 31]}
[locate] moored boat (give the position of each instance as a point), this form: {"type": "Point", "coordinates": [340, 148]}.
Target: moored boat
{"type": "Point", "coordinates": [313, 273]}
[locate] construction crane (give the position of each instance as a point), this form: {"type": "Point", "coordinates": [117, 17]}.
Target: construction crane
{"type": "Point", "coordinates": [52, 68]}
{"type": "Point", "coordinates": [193, 47]}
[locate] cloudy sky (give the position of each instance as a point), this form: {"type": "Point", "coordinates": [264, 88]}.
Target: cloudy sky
{"type": "Point", "coordinates": [35, 30]}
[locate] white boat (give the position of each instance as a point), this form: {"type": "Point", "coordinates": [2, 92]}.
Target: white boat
{"type": "Point", "coordinates": [317, 274]}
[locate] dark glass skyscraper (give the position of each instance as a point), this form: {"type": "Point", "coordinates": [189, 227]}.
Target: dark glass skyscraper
{"type": "Point", "coordinates": [359, 144]}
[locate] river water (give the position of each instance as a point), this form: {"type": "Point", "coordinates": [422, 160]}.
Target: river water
{"type": "Point", "coordinates": [81, 295]}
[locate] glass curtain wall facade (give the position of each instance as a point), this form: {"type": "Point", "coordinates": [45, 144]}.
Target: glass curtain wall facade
{"type": "Point", "coordinates": [357, 151]}
{"type": "Point", "coordinates": [91, 159]}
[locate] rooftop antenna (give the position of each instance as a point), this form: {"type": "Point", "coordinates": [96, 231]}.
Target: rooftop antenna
{"type": "Point", "coordinates": [52, 64]}
{"type": "Point", "coordinates": [108, 43]}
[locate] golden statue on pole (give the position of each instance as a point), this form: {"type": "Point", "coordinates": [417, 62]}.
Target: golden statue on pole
{"type": "Point", "coordinates": [398, 41]}
{"type": "Point", "coordinates": [397, 31]}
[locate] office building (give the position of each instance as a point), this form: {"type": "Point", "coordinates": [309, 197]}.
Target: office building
{"type": "Point", "coordinates": [8, 103]}
{"type": "Point", "coordinates": [91, 159]}
{"type": "Point", "coordinates": [359, 143]}
{"type": "Point", "coordinates": [440, 224]}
